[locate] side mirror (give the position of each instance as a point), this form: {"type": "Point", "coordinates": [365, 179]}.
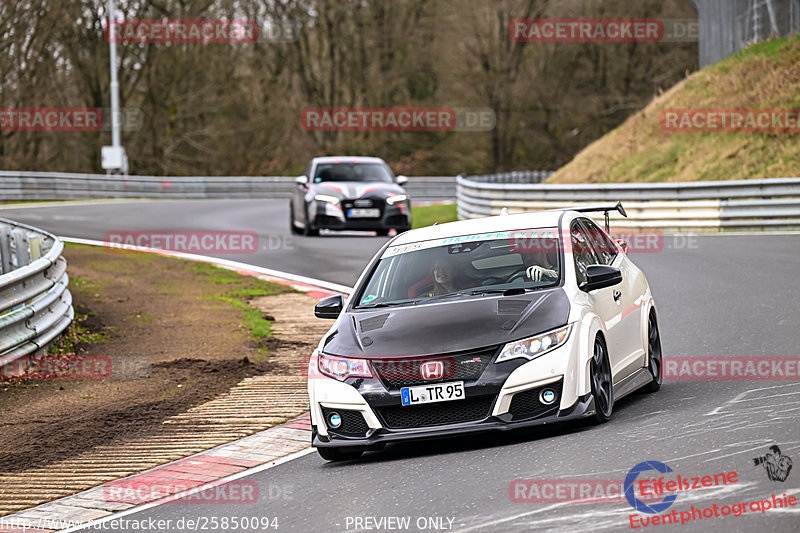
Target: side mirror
{"type": "Point", "coordinates": [600, 277]}
{"type": "Point", "coordinates": [329, 307]}
{"type": "Point", "coordinates": [623, 244]}
{"type": "Point", "coordinates": [301, 180]}
{"type": "Point", "coordinates": [402, 180]}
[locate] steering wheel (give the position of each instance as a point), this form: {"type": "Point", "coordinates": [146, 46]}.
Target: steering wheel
{"type": "Point", "coordinates": [516, 276]}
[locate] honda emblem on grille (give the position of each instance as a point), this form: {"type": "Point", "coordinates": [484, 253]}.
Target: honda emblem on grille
{"type": "Point", "coordinates": [432, 370]}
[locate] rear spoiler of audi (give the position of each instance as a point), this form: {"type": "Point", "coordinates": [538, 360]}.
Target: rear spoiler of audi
{"type": "Point", "coordinates": [605, 209]}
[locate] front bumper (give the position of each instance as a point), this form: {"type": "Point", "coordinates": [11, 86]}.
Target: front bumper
{"type": "Point", "coordinates": [378, 436]}
{"type": "Point", "coordinates": [324, 215]}
{"type": "Point", "coordinates": [506, 396]}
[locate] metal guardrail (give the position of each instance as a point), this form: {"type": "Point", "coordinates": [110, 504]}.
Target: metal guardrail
{"type": "Point", "coordinates": [764, 204]}
{"type": "Point", "coordinates": [23, 186]}
{"type": "Point", "coordinates": [515, 176]}
{"type": "Point", "coordinates": [35, 304]}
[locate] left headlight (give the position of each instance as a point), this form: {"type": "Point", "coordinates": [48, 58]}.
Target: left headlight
{"type": "Point", "coordinates": [342, 368]}
{"type": "Point", "coordinates": [535, 346]}
{"type": "Point", "coordinates": [396, 198]}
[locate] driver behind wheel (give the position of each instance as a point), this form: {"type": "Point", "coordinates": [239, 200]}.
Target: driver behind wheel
{"type": "Point", "coordinates": [538, 266]}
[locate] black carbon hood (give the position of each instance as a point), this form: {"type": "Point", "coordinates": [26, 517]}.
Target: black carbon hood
{"type": "Point", "coordinates": [448, 326]}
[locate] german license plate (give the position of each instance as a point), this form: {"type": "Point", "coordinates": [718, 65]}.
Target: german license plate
{"type": "Point", "coordinates": [363, 213]}
{"type": "Point", "coordinates": [439, 392]}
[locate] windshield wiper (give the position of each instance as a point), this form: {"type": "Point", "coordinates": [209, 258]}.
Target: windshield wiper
{"type": "Point", "coordinates": [387, 304]}
{"type": "Point", "coordinates": [505, 292]}
{"type": "Point", "coordinates": [441, 296]}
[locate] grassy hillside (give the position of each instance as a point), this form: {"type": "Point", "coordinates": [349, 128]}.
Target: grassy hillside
{"type": "Point", "coordinates": [766, 75]}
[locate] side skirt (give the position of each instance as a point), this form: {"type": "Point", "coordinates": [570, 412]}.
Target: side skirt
{"type": "Point", "coordinates": [638, 379]}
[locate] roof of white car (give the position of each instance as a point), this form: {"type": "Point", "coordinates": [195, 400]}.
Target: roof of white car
{"type": "Point", "coordinates": [523, 221]}
{"type": "Point", "coordinates": [348, 159]}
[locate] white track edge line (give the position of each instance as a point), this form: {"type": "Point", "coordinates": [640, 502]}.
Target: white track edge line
{"type": "Point", "coordinates": [225, 262]}
{"type": "Point", "coordinates": [172, 498]}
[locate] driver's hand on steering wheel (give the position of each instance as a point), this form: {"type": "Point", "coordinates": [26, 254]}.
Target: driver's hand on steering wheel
{"type": "Point", "coordinates": [537, 273]}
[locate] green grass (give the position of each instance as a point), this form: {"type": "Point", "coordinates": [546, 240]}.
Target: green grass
{"type": "Point", "coordinates": [427, 215]}
{"type": "Point", "coordinates": [259, 327]}
{"type": "Point", "coordinates": [76, 334]}
{"type": "Point", "coordinates": [229, 287]}
{"type": "Point", "coordinates": [146, 318]}
{"type": "Point", "coordinates": [246, 287]}
{"type": "Point", "coordinates": [91, 286]}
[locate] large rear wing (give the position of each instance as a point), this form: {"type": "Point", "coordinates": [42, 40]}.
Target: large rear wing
{"type": "Point", "coordinates": [605, 209]}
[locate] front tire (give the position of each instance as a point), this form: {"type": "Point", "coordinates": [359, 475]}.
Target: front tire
{"type": "Point", "coordinates": [292, 226]}
{"type": "Point", "coordinates": [602, 383]}
{"type": "Point", "coordinates": [654, 356]}
{"type": "Point", "coordinates": [308, 230]}
{"type": "Point", "coordinates": [339, 454]}
{"type": "Point", "coordinates": [382, 232]}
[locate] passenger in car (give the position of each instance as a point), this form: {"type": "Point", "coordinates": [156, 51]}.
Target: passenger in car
{"type": "Point", "coordinates": [444, 277]}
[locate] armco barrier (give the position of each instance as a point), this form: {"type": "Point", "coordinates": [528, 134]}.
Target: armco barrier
{"type": "Point", "coordinates": [16, 185]}
{"type": "Point", "coordinates": [35, 304]}
{"type": "Point", "coordinates": [765, 204]}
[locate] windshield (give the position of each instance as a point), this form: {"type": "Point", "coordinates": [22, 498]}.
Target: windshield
{"type": "Point", "coordinates": [352, 172]}
{"type": "Point", "coordinates": [463, 267]}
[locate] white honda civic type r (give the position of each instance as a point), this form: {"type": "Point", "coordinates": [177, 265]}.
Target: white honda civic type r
{"type": "Point", "coordinates": [489, 324]}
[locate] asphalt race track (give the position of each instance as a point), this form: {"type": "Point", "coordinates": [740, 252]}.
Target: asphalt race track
{"type": "Point", "coordinates": [717, 296]}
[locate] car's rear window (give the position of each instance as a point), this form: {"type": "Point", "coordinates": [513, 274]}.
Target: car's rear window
{"type": "Point", "coordinates": [463, 267]}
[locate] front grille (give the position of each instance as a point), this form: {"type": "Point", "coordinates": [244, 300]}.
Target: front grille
{"type": "Point", "coordinates": [464, 366]}
{"type": "Point", "coordinates": [436, 414]}
{"type": "Point", "coordinates": [526, 404]}
{"type": "Point", "coordinates": [360, 204]}
{"type": "Point", "coordinates": [353, 423]}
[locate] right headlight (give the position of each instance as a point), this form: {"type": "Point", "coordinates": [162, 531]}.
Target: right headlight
{"type": "Point", "coordinates": [342, 368]}
{"type": "Point", "coordinates": [533, 347]}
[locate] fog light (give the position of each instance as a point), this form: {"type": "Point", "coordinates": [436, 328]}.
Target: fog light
{"type": "Point", "coordinates": [547, 396]}
{"type": "Point", "coordinates": [334, 420]}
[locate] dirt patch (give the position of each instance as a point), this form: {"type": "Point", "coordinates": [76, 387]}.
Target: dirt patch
{"type": "Point", "coordinates": [178, 320]}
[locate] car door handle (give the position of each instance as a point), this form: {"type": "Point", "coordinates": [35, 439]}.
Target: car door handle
{"type": "Point", "coordinates": [617, 295]}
